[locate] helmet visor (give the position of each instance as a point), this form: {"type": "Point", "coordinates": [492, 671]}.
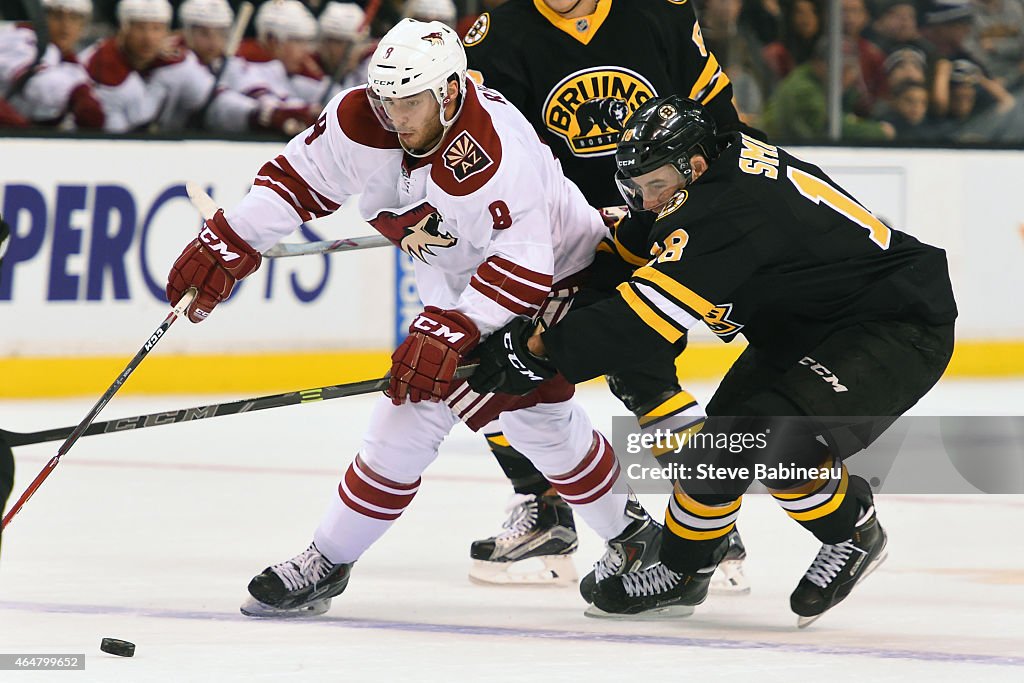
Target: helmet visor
{"type": "Point", "coordinates": [399, 114]}
{"type": "Point", "coordinates": [650, 191]}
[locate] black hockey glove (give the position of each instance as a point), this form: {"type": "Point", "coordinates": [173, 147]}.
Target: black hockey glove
{"type": "Point", "coordinates": [506, 365]}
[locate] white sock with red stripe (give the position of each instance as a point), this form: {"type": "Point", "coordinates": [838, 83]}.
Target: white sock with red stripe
{"type": "Point", "coordinates": [596, 489]}
{"type": "Point", "coordinates": [366, 505]}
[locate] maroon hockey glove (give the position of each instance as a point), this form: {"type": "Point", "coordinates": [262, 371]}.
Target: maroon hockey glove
{"type": "Point", "coordinates": [10, 117]}
{"type": "Point", "coordinates": [283, 118]}
{"type": "Point", "coordinates": [212, 263]}
{"type": "Point", "coordinates": [86, 109]}
{"type": "Point", "coordinates": [423, 366]}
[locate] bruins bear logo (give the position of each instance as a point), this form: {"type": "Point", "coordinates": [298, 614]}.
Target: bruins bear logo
{"type": "Point", "coordinates": [589, 108]}
{"type": "Point", "coordinates": [606, 113]}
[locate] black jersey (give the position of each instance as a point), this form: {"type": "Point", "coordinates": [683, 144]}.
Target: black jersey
{"type": "Point", "coordinates": [578, 80]}
{"type": "Point", "coordinates": [762, 244]}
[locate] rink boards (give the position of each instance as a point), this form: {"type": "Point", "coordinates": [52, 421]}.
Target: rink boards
{"type": "Point", "coordinates": [97, 224]}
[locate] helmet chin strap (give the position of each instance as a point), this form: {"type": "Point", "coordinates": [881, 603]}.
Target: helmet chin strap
{"type": "Point", "coordinates": [445, 127]}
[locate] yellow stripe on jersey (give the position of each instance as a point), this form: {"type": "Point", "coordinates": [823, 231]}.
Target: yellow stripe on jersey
{"type": "Point", "coordinates": [590, 23]}
{"type": "Point", "coordinates": [653, 319]}
{"type": "Point", "coordinates": [710, 68]}
{"type": "Point", "coordinates": [674, 403]}
{"type": "Point", "coordinates": [682, 295]}
{"type": "Point", "coordinates": [626, 255]}
{"type": "Point", "coordinates": [723, 80]}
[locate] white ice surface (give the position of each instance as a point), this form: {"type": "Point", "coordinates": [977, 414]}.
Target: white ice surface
{"type": "Point", "coordinates": [151, 536]}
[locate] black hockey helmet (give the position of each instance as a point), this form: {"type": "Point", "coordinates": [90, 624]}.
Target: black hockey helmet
{"type": "Point", "coordinates": [663, 130]}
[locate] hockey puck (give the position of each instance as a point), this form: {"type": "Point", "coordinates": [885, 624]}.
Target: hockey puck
{"type": "Point", "coordinates": [121, 648]}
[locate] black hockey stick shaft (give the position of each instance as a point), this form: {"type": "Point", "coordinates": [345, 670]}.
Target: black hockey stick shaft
{"type": "Point", "coordinates": [83, 426]}
{"type": "Point", "coordinates": [249, 405]}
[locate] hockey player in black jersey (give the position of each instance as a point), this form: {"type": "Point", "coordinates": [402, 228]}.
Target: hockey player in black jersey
{"type": "Point", "coordinates": [844, 316]}
{"type": "Point", "coordinates": [578, 70]}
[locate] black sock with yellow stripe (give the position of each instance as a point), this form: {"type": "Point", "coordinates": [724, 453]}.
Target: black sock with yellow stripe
{"type": "Point", "coordinates": [695, 532]}
{"type": "Point", "coordinates": [674, 417]}
{"type": "Point", "coordinates": [827, 507]}
{"type": "Point", "coordinates": [525, 478]}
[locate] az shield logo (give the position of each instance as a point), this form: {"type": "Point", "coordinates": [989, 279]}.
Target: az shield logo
{"type": "Point", "coordinates": [465, 157]}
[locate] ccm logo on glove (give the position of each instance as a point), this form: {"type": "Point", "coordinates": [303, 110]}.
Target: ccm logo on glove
{"type": "Point", "coordinates": [210, 239]}
{"type": "Point", "coordinates": [514, 361]}
{"type": "Point", "coordinates": [437, 329]}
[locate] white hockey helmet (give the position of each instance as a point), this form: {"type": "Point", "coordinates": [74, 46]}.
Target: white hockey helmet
{"type": "Point", "coordinates": [341, 20]}
{"type": "Point", "coordinates": [157, 11]}
{"type": "Point", "coordinates": [432, 10]}
{"type": "Point", "coordinates": [73, 6]}
{"type": "Point", "coordinates": [412, 57]}
{"type": "Point", "coordinates": [285, 19]}
{"type": "Point", "coordinates": [211, 13]}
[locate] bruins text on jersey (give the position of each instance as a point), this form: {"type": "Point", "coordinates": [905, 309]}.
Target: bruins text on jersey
{"type": "Point", "coordinates": [578, 80]}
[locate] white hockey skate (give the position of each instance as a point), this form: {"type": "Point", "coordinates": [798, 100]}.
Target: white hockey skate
{"type": "Point", "coordinates": [535, 548]}
{"type": "Point", "coordinates": [300, 587]}
{"type": "Point", "coordinates": [729, 578]}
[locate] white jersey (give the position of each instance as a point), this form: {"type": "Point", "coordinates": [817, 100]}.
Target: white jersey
{"type": "Point", "coordinates": [165, 94]}
{"type": "Point", "coordinates": [489, 218]}
{"type": "Point", "coordinates": [255, 73]}
{"type": "Point", "coordinates": [45, 95]}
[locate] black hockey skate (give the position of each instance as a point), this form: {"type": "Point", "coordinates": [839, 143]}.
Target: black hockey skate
{"type": "Point", "coordinates": [634, 549]}
{"type": "Point", "coordinates": [838, 568]}
{"type": "Point", "coordinates": [539, 529]}
{"type": "Point", "coordinates": [300, 587]}
{"type": "Point", "coordinates": [729, 579]}
{"type": "Point", "coordinates": [654, 593]}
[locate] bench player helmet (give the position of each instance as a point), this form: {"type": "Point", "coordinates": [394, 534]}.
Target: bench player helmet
{"type": "Point", "coordinates": [285, 20]}
{"type": "Point", "coordinates": [412, 57]}
{"type": "Point", "coordinates": [663, 130]}
{"type": "Point", "coordinates": [155, 11]}
{"type": "Point", "coordinates": [210, 13]}
{"type": "Point", "coordinates": [341, 20]}
{"type": "Point", "coordinates": [72, 6]}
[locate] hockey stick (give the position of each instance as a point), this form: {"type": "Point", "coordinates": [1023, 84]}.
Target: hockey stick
{"type": "Point", "coordinates": [78, 431]}
{"type": "Point", "coordinates": [248, 405]}
{"type": "Point", "coordinates": [327, 246]}
{"type": "Point", "coordinates": [235, 36]}
{"type": "Point", "coordinates": [207, 207]}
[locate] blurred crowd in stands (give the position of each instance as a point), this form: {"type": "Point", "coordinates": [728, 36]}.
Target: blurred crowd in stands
{"type": "Point", "coordinates": [913, 71]}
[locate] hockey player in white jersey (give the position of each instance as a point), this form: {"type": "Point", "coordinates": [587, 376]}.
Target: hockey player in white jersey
{"type": "Point", "coordinates": [204, 27]}
{"type": "Point", "coordinates": [50, 87]}
{"type": "Point", "coordinates": [432, 10]}
{"type": "Point", "coordinates": [457, 178]}
{"type": "Point", "coordinates": [144, 81]}
{"type": "Point", "coordinates": [344, 48]}
{"type": "Point", "coordinates": [279, 62]}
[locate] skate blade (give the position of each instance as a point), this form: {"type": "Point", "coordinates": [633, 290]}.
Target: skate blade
{"type": "Point", "coordinates": [729, 579]}
{"type": "Point", "coordinates": [804, 622]}
{"type": "Point", "coordinates": [657, 614]}
{"type": "Point", "coordinates": [254, 608]}
{"type": "Point", "coordinates": [557, 570]}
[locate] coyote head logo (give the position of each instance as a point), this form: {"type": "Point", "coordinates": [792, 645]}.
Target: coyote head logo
{"type": "Point", "coordinates": [434, 38]}
{"type": "Point", "coordinates": [416, 232]}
